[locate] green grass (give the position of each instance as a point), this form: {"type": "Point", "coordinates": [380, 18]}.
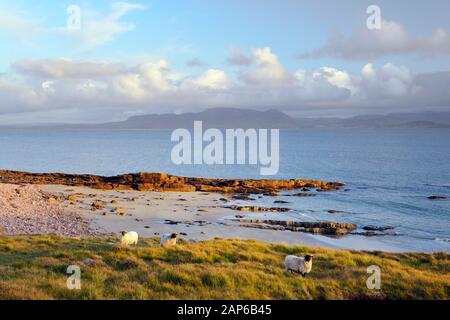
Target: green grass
{"type": "Point", "coordinates": [34, 267]}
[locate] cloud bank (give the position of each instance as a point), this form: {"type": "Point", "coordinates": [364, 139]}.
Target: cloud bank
{"type": "Point", "coordinates": [101, 91]}
{"type": "Point", "coordinates": [391, 39]}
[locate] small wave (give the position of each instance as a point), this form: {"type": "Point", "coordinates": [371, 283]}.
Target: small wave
{"type": "Point", "coordinates": [446, 185]}
{"type": "Point", "coordinates": [442, 239]}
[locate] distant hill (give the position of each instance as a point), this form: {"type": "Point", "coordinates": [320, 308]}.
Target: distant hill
{"type": "Point", "coordinates": [213, 118]}
{"type": "Point", "coordinates": [246, 118]}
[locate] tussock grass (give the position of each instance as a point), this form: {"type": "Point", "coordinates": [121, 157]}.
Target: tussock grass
{"type": "Point", "coordinates": [34, 267]}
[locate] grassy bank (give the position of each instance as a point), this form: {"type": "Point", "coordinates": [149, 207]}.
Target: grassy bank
{"type": "Point", "coordinates": [35, 268]}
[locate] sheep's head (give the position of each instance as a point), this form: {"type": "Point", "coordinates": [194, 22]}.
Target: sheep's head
{"type": "Point", "coordinates": [123, 232]}
{"type": "Point", "coordinates": [173, 236]}
{"type": "Point", "coordinates": [308, 257]}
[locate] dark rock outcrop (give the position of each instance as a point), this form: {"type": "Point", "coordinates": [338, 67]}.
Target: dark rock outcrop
{"type": "Point", "coordinates": [378, 228]}
{"type": "Point", "coordinates": [257, 209]}
{"type": "Point", "coordinates": [301, 194]}
{"type": "Point", "coordinates": [437, 198]}
{"type": "Point", "coordinates": [335, 211]}
{"type": "Point", "coordinates": [325, 227]}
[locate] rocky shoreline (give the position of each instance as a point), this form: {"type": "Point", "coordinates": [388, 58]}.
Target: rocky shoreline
{"type": "Point", "coordinates": [325, 227]}
{"type": "Point", "coordinates": [155, 182]}
{"type": "Point", "coordinates": [148, 181]}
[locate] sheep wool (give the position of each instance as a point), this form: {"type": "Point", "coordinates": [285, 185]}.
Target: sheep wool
{"type": "Point", "coordinates": [168, 239]}
{"type": "Point", "coordinates": [302, 265]}
{"type": "Point", "coordinates": [129, 238]}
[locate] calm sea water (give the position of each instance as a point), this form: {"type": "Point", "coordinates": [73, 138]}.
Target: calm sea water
{"type": "Point", "coordinates": [390, 172]}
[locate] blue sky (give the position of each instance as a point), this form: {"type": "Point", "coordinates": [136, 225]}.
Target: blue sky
{"type": "Point", "coordinates": [300, 54]}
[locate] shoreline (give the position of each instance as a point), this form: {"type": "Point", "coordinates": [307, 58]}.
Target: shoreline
{"type": "Point", "coordinates": [156, 203]}
{"type": "Point", "coordinates": [194, 216]}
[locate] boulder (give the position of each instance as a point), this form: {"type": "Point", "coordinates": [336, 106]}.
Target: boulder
{"type": "Point", "coordinates": [437, 198]}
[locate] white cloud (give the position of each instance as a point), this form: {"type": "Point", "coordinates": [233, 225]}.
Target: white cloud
{"type": "Point", "coordinates": [67, 68]}
{"type": "Point", "coordinates": [144, 81]}
{"type": "Point", "coordinates": [335, 77]}
{"type": "Point", "coordinates": [97, 29]}
{"type": "Point", "coordinates": [212, 79]}
{"type": "Point", "coordinates": [268, 69]}
{"type": "Point", "coordinates": [391, 39]}
{"type": "Point", "coordinates": [92, 86]}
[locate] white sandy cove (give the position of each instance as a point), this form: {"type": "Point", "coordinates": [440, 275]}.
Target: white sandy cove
{"type": "Point", "coordinates": [146, 212]}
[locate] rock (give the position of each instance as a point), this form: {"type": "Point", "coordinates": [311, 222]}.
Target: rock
{"type": "Point", "coordinates": [90, 262]}
{"type": "Point", "coordinates": [437, 198]}
{"type": "Point", "coordinates": [301, 195]}
{"type": "Point", "coordinates": [118, 210]}
{"type": "Point", "coordinates": [148, 181]}
{"type": "Point", "coordinates": [326, 227]}
{"type": "Point", "coordinates": [72, 197]}
{"type": "Point", "coordinates": [368, 234]}
{"type": "Point", "coordinates": [377, 228]}
{"type": "Point", "coordinates": [202, 210]}
{"type": "Point", "coordinates": [52, 200]}
{"type": "Point", "coordinates": [113, 202]}
{"type": "Point", "coordinates": [242, 197]}
{"type": "Point", "coordinates": [239, 216]}
{"type": "Point", "coordinates": [98, 204]}
{"type": "Point", "coordinates": [335, 211]}
{"type": "Point", "coordinates": [280, 201]}
{"type": "Point", "coordinates": [257, 209]}
{"type": "Point", "coordinates": [105, 213]}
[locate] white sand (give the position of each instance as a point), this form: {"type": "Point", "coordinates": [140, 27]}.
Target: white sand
{"type": "Point", "coordinates": [146, 212]}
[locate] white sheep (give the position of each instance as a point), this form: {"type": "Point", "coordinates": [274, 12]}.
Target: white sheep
{"type": "Point", "coordinates": [129, 238]}
{"type": "Point", "coordinates": [300, 265]}
{"type": "Point", "coordinates": [168, 239]}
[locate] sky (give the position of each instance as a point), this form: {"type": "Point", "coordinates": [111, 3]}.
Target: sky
{"type": "Point", "coordinates": [96, 61]}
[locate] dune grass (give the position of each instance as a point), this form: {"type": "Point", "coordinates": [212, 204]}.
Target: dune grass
{"type": "Point", "coordinates": [34, 267]}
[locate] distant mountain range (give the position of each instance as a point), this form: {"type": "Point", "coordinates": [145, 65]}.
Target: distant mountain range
{"type": "Point", "coordinates": [246, 118]}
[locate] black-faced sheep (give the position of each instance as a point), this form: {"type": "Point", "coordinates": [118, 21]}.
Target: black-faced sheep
{"type": "Point", "coordinates": [168, 239]}
{"type": "Point", "coordinates": [129, 238]}
{"type": "Point", "coordinates": [302, 265]}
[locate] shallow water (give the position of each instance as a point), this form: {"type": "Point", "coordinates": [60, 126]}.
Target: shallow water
{"type": "Point", "coordinates": [390, 172]}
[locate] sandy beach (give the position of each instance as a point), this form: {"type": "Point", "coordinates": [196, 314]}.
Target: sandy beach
{"type": "Point", "coordinates": [198, 215]}
{"type": "Point", "coordinates": [82, 211]}
{"type": "Point", "coordinates": [195, 216]}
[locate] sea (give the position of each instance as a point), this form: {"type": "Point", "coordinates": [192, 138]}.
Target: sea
{"type": "Point", "coordinates": [388, 173]}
